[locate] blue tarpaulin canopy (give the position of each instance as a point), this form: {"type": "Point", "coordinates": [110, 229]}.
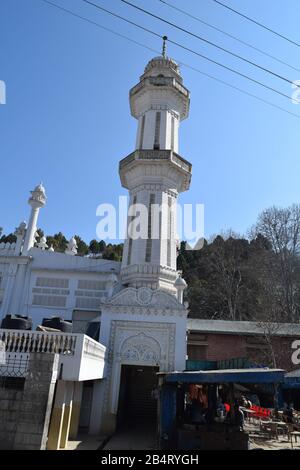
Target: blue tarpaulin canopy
{"type": "Point", "coordinates": [250, 376]}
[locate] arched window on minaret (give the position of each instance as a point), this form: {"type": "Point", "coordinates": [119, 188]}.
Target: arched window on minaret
{"type": "Point", "coordinates": [157, 131]}
{"type": "Point", "coordinates": [149, 239]}
{"type": "Point", "coordinates": [142, 132]}
{"type": "Point", "coordinates": [172, 132]}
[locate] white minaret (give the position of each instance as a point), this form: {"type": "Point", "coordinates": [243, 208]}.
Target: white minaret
{"type": "Point", "coordinates": [36, 201]}
{"type": "Point", "coordinates": [155, 174]}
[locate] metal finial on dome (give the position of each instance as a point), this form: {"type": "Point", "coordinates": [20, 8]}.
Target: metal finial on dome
{"type": "Point", "coordinates": [164, 48]}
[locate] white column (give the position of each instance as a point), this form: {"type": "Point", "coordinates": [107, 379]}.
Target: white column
{"type": "Point", "coordinates": [32, 227]}
{"type": "Point", "coordinates": [36, 201]}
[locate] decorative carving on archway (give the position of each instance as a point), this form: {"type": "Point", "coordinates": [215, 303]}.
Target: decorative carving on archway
{"type": "Point", "coordinates": [128, 344]}
{"type": "Point", "coordinates": [141, 348]}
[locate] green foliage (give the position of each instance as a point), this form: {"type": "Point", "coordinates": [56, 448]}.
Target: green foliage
{"type": "Point", "coordinates": [113, 252]}
{"type": "Point", "coordinates": [96, 247]}
{"type": "Point", "coordinates": [102, 246]}
{"type": "Point", "coordinates": [58, 241]}
{"type": "Point", "coordinates": [39, 234]}
{"type": "Point", "coordinates": [82, 247]}
{"type": "Point", "coordinates": [222, 278]}
{"type": "Point", "coordinates": [10, 238]}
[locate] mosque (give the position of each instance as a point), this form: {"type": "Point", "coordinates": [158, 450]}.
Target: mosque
{"type": "Point", "coordinates": [137, 303]}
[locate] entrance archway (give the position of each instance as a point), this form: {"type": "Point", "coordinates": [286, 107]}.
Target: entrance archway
{"type": "Point", "coordinates": [137, 396]}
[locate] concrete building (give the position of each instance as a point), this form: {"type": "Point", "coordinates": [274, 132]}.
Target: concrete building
{"type": "Point", "coordinates": [138, 303]}
{"type": "Point", "coordinates": [44, 379]}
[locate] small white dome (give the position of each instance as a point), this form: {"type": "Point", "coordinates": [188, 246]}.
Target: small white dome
{"type": "Point", "coordinates": [163, 65]}
{"type": "Point", "coordinates": [40, 188]}
{"type": "Point", "coordinates": [180, 283]}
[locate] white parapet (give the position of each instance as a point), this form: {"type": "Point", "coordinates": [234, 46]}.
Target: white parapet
{"type": "Point", "coordinates": [81, 357]}
{"type": "Point", "coordinates": [7, 248]}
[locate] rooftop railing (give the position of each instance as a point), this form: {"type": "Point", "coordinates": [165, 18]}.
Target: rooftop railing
{"type": "Point", "coordinates": [158, 82]}
{"type": "Point", "coordinates": [82, 357]}
{"type": "Point", "coordinates": [149, 154]}
{"type": "Point", "coordinates": [22, 341]}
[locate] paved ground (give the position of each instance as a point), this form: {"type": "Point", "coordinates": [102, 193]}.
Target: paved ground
{"type": "Point", "coordinates": [261, 441]}
{"type": "Point", "coordinates": [273, 444]}
{"type": "Point", "coordinates": [135, 437]}
{"type": "Point", "coordinates": [86, 442]}
{"type": "Point", "coordinates": [143, 437]}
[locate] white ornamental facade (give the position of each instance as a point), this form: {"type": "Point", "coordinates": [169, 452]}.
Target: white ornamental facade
{"type": "Point", "coordinates": [144, 324]}
{"type": "Point", "coordinates": [137, 304]}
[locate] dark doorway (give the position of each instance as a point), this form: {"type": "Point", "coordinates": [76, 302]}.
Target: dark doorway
{"type": "Point", "coordinates": [86, 405]}
{"type": "Point", "coordinates": [138, 396]}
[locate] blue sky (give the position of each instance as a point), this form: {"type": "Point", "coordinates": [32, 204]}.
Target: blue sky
{"type": "Point", "coordinates": [67, 121]}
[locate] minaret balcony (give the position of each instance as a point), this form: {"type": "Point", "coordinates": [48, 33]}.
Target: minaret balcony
{"type": "Point", "coordinates": [148, 154]}
{"type": "Point", "coordinates": [158, 82]}
{"type": "Point", "coordinates": [159, 87]}
{"type": "Point", "coordinates": [168, 158]}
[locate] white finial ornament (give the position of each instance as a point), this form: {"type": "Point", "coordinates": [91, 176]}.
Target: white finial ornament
{"type": "Point", "coordinates": [71, 247]}
{"type": "Point", "coordinates": [21, 229]}
{"type": "Point", "coordinates": [180, 285]}
{"type": "Point", "coordinates": [36, 235]}
{"type": "Point", "coordinates": [42, 243]}
{"type": "Point", "coordinates": [20, 233]}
